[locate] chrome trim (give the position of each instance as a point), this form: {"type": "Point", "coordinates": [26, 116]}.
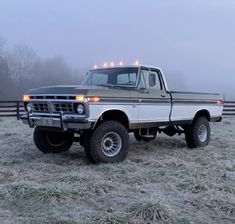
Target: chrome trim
{"type": "Point", "coordinates": [55, 100]}
{"type": "Point", "coordinates": [61, 121]}
{"type": "Point", "coordinates": [57, 115]}
{"type": "Point", "coordinates": [50, 94]}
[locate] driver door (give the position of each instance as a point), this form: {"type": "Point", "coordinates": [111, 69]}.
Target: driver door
{"type": "Point", "coordinates": [155, 102]}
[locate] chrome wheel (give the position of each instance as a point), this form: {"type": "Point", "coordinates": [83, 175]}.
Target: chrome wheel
{"type": "Point", "coordinates": [111, 144]}
{"type": "Point", "coordinates": [202, 133]}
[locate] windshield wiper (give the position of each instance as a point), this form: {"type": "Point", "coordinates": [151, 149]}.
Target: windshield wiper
{"type": "Point", "coordinates": [115, 86]}
{"type": "Point", "coordinates": [111, 86]}
{"type": "Point", "coordinates": [106, 85]}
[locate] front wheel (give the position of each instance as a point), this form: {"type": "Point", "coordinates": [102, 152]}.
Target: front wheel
{"type": "Point", "coordinates": [109, 143]}
{"type": "Point", "coordinates": [85, 141]}
{"type": "Point", "coordinates": [52, 142]}
{"type": "Point", "coordinates": [198, 133]}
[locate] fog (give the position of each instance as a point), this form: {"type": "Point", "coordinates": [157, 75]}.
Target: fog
{"type": "Point", "coordinates": [192, 41]}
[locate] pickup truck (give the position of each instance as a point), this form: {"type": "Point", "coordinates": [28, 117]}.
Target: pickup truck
{"type": "Point", "coordinates": [113, 102]}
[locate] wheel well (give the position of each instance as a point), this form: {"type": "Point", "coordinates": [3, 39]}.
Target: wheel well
{"type": "Point", "coordinates": [116, 115]}
{"type": "Point", "coordinates": [203, 113]}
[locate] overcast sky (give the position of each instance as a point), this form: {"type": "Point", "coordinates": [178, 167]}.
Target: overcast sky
{"type": "Point", "coordinates": [192, 40]}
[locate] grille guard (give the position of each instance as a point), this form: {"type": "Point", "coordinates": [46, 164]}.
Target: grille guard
{"type": "Point", "coordinates": [59, 120]}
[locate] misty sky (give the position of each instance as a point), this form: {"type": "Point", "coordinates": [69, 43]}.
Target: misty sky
{"type": "Point", "coordinates": [193, 41]}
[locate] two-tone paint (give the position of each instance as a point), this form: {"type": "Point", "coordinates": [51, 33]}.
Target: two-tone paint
{"type": "Point", "coordinates": [142, 107]}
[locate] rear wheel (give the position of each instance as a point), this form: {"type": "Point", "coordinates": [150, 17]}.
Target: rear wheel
{"type": "Point", "coordinates": [198, 133]}
{"type": "Point", "coordinates": [52, 142]}
{"type": "Point", "coordinates": [109, 143]}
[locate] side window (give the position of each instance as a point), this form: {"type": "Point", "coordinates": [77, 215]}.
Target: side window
{"type": "Point", "coordinates": [141, 82]}
{"type": "Point", "coordinates": [154, 81]}
{"type": "Point", "coordinates": [150, 80]}
{"type": "Point", "coordinates": [144, 79]}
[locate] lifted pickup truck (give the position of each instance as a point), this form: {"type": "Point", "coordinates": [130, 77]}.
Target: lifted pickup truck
{"type": "Point", "coordinates": [110, 104]}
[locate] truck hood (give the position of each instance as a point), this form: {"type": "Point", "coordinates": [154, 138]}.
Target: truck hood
{"type": "Point", "coordinates": [65, 89]}
{"type": "Point", "coordinates": [78, 90]}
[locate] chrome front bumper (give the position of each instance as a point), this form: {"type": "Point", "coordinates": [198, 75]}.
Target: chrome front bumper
{"type": "Point", "coordinates": [60, 121]}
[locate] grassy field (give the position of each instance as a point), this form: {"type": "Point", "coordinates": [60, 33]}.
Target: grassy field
{"type": "Point", "coordinates": [159, 182]}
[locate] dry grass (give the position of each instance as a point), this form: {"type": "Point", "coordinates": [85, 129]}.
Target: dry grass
{"type": "Point", "coordinates": [150, 211]}
{"type": "Point", "coordinates": [159, 182]}
{"type": "Point", "coordinates": [114, 218]}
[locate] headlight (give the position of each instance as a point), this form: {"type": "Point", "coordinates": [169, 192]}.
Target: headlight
{"type": "Point", "coordinates": [26, 98]}
{"type": "Point", "coordinates": [80, 109]}
{"type": "Point", "coordinates": [29, 107]}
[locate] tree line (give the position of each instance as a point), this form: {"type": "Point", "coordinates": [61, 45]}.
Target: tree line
{"type": "Point", "coordinates": [22, 69]}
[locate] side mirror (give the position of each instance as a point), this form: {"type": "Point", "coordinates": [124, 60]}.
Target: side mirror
{"type": "Point", "coordinates": [152, 79]}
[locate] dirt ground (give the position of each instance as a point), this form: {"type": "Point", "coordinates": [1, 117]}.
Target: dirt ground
{"type": "Point", "coordinates": [159, 182]}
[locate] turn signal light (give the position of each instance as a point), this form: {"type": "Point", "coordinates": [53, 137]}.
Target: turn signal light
{"type": "Point", "coordinates": [93, 99]}
{"type": "Point", "coordinates": [220, 102]}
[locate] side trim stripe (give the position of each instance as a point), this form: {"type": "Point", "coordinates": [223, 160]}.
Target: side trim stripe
{"type": "Point", "coordinates": [152, 101]}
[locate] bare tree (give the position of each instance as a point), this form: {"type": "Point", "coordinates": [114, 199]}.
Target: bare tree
{"type": "Point", "coordinates": [22, 62]}
{"type": "Point", "coordinates": [22, 69]}
{"type": "Point", "coordinates": [6, 84]}
{"type": "Point", "coordinates": [2, 46]}
{"type": "Point", "coordinates": [54, 71]}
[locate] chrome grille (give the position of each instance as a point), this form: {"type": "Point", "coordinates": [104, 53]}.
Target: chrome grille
{"type": "Point", "coordinates": [54, 107]}
{"type": "Point", "coordinates": [40, 107]}
{"type": "Point", "coordinates": [65, 107]}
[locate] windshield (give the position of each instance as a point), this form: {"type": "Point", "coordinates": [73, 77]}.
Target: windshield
{"type": "Point", "coordinates": [124, 77]}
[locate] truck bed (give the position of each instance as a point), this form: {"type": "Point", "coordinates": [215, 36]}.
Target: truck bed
{"type": "Point", "coordinates": [186, 104]}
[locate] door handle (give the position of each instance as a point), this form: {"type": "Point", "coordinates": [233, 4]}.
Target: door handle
{"type": "Point", "coordinates": [163, 95]}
